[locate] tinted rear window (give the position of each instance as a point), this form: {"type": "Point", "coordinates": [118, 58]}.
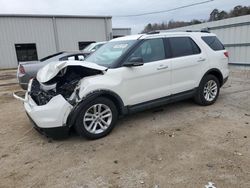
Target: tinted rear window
{"type": "Point", "coordinates": [183, 46]}
{"type": "Point", "coordinates": [50, 56]}
{"type": "Point", "coordinates": [213, 42]}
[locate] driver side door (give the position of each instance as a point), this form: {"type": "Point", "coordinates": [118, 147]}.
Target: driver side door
{"type": "Point", "coordinates": [152, 80]}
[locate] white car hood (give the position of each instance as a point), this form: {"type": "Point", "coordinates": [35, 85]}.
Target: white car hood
{"type": "Point", "coordinates": [50, 70]}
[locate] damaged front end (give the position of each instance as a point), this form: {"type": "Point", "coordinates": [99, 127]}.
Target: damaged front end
{"type": "Point", "coordinates": [53, 94]}
{"type": "Point", "coordinates": [65, 83]}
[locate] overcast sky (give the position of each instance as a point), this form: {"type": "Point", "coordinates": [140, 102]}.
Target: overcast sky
{"type": "Point", "coordinates": [120, 7]}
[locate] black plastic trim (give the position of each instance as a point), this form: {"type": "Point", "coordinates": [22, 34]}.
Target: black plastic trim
{"type": "Point", "coordinates": [215, 70]}
{"type": "Point", "coordinates": [55, 133]}
{"type": "Point", "coordinates": [225, 80]}
{"type": "Point", "coordinates": [118, 102]}
{"type": "Point", "coordinates": [161, 101]}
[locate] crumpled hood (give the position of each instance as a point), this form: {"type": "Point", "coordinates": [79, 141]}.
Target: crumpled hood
{"type": "Point", "coordinates": [50, 70]}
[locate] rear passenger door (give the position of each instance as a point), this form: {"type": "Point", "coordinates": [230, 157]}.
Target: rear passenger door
{"type": "Point", "coordinates": [187, 61]}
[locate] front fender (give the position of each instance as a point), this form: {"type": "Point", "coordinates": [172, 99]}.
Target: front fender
{"type": "Point", "coordinates": [90, 97]}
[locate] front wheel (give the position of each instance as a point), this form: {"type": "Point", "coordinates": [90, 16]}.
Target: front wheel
{"type": "Point", "coordinates": [208, 91]}
{"type": "Point", "coordinates": [97, 118]}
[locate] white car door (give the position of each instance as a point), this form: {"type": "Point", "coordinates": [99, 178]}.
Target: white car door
{"type": "Point", "coordinates": [188, 62]}
{"type": "Point", "coordinates": [151, 80]}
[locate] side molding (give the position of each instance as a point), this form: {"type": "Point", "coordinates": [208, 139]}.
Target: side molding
{"type": "Point", "coordinates": [161, 101]}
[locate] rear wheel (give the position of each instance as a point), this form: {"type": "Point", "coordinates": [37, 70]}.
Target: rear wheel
{"type": "Point", "coordinates": [97, 118]}
{"type": "Point", "coordinates": [208, 91]}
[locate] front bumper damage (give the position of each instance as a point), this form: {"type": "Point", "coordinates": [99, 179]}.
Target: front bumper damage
{"type": "Point", "coordinates": [52, 96]}
{"type": "Point", "coordinates": [49, 119]}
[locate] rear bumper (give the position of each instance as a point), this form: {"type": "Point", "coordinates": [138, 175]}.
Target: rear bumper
{"type": "Point", "coordinates": [23, 79]}
{"type": "Point", "coordinates": [23, 85]}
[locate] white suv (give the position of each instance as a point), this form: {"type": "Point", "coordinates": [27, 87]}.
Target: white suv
{"type": "Point", "coordinates": [126, 75]}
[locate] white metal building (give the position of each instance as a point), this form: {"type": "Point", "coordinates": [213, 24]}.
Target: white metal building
{"type": "Point", "coordinates": [234, 33]}
{"type": "Point", "coordinates": [120, 32]}
{"type": "Point", "coordinates": [31, 37]}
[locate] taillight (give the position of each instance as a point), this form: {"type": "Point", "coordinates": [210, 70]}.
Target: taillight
{"type": "Point", "coordinates": [226, 54]}
{"type": "Point", "coordinates": [21, 69]}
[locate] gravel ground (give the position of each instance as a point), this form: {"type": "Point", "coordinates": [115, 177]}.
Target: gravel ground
{"type": "Point", "coordinates": [178, 145]}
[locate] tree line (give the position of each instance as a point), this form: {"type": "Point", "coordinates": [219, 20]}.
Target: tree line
{"type": "Point", "coordinates": [215, 15]}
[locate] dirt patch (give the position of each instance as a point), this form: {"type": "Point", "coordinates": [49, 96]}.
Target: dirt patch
{"type": "Point", "coordinates": [178, 145]}
{"type": "Point", "coordinates": [7, 76]}
{"type": "Point", "coordinates": [8, 84]}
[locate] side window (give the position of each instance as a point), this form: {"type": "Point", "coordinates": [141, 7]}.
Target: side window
{"type": "Point", "coordinates": [213, 42]}
{"type": "Point", "coordinates": [150, 50]}
{"type": "Point", "coordinates": [183, 46]}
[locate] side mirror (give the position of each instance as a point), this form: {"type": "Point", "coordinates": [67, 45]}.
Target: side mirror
{"type": "Point", "coordinates": [133, 62]}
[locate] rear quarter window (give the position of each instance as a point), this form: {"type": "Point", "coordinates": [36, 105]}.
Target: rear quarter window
{"type": "Point", "coordinates": [183, 46]}
{"type": "Point", "coordinates": [213, 42]}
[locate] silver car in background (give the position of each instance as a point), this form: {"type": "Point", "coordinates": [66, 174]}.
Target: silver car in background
{"type": "Point", "coordinates": [93, 47]}
{"type": "Point", "coordinates": [28, 70]}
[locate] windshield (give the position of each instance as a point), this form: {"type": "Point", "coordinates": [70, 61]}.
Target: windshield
{"type": "Point", "coordinates": [89, 47]}
{"type": "Point", "coordinates": [110, 52]}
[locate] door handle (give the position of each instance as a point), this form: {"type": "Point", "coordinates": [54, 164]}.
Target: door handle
{"type": "Point", "coordinates": [201, 59]}
{"type": "Point", "coordinates": [162, 67]}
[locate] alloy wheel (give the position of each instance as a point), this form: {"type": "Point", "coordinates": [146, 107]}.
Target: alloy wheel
{"type": "Point", "coordinates": [210, 90]}
{"type": "Point", "coordinates": [97, 118]}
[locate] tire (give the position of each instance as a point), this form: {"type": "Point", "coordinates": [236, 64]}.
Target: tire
{"type": "Point", "coordinates": [91, 119]}
{"type": "Point", "coordinates": [208, 91]}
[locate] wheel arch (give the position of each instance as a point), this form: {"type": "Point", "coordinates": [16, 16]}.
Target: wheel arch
{"type": "Point", "coordinates": [122, 110]}
{"type": "Point", "coordinates": [217, 73]}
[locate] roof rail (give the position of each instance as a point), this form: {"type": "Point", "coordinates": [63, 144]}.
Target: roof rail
{"type": "Point", "coordinates": [203, 30]}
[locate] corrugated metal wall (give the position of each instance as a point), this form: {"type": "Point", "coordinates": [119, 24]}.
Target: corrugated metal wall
{"type": "Point", "coordinates": [121, 32]}
{"type": "Point", "coordinates": [234, 33]}
{"type": "Point", "coordinates": [50, 34]}
{"type": "Point", "coordinates": [28, 30]}
{"type": "Point", "coordinates": [72, 30]}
